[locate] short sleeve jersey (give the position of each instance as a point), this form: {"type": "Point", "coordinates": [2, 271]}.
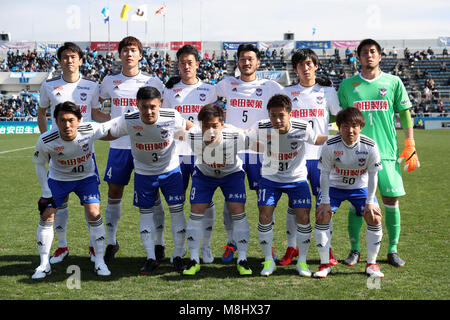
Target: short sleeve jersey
{"type": "Point", "coordinates": [246, 101]}
{"type": "Point", "coordinates": [348, 165]}
{"type": "Point", "coordinates": [70, 160]}
{"type": "Point", "coordinates": [84, 93]}
{"type": "Point", "coordinates": [378, 100]}
{"type": "Point", "coordinates": [152, 145]}
{"type": "Point", "coordinates": [313, 104]}
{"type": "Point", "coordinates": [121, 90]}
{"type": "Point", "coordinates": [284, 154]}
{"type": "Point", "coordinates": [217, 159]}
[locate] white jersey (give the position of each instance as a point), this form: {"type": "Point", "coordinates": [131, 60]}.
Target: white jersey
{"type": "Point", "coordinates": [70, 160]}
{"type": "Point", "coordinates": [84, 93]}
{"type": "Point", "coordinates": [152, 145]}
{"type": "Point", "coordinates": [313, 104]}
{"type": "Point", "coordinates": [217, 159]}
{"type": "Point", "coordinates": [284, 154]}
{"type": "Point", "coordinates": [188, 99]}
{"type": "Point", "coordinates": [246, 101]}
{"type": "Point", "coordinates": [121, 90]}
{"type": "Point", "coordinates": [348, 165]}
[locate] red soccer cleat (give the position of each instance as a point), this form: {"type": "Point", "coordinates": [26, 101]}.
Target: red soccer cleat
{"type": "Point", "coordinates": [290, 254]}
{"type": "Point", "coordinates": [333, 260]}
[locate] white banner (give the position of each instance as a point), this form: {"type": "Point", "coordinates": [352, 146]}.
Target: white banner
{"type": "Point", "coordinates": [23, 46]}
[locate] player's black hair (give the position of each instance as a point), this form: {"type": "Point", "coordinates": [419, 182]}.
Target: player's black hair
{"type": "Point", "coordinates": [366, 42]}
{"type": "Point", "coordinates": [280, 100]}
{"type": "Point", "coordinates": [67, 106]}
{"type": "Point", "coordinates": [301, 54]}
{"type": "Point", "coordinates": [130, 41]}
{"type": "Point", "coordinates": [210, 111]}
{"type": "Point", "coordinates": [187, 49]}
{"type": "Point", "coordinates": [248, 47]}
{"type": "Point", "coordinates": [145, 93]}
{"type": "Point", "coordinates": [350, 115]}
{"type": "Point", "coordinates": [69, 46]}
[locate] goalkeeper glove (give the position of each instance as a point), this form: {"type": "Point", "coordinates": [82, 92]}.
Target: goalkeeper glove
{"type": "Point", "coordinates": [409, 155]}
{"type": "Point", "coordinates": [44, 203]}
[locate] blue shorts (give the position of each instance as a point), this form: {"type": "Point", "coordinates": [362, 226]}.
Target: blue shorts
{"type": "Point", "coordinates": [357, 197]}
{"type": "Point", "coordinates": [119, 166]}
{"type": "Point", "coordinates": [187, 168]}
{"type": "Point", "coordinates": [252, 166]}
{"type": "Point", "coordinates": [313, 176]}
{"type": "Point", "coordinates": [298, 193]}
{"type": "Point", "coordinates": [146, 188]}
{"type": "Point", "coordinates": [86, 189]}
{"type": "Point", "coordinates": [203, 187]}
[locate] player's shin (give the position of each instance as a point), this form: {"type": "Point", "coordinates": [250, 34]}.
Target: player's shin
{"type": "Point", "coordinates": [113, 213]}
{"type": "Point", "coordinates": [228, 223]}
{"type": "Point", "coordinates": [322, 236]}
{"type": "Point", "coordinates": [304, 232]}
{"type": "Point", "coordinates": [374, 235]}
{"type": "Point", "coordinates": [265, 238]}
{"type": "Point", "coordinates": [60, 222]}
{"type": "Point", "coordinates": [194, 235]}
{"type": "Point", "coordinates": [44, 238]}
{"type": "Point", "coordinates": [354, 228]}
{"type": "Point", "coordinates": [97, 236]}
{"type": "Point", "coordinates": [158, 220]}
{"type": "Point", "coordinates": [208, 224]}
{"type": "Point", "coordinates": [291, 227]}
{"type": "Point", "coordinates": [147, 231]}
{"type": "Point", "coordinates": [178, 228]}
{"type": "Point", "coordinates": [393, 226]}
{"type": "Point", "coordinates": [241, 233]}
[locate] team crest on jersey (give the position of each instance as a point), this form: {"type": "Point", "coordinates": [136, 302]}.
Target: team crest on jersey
{"type": "Point", "coordinates": [259, 92]}
{"type": "Point", "coordinates": [202, 97]}
{"type": "Point", "coordinates": [319, 100]}
{"type": "Point", "coordinates": [383, 92]}
{"type": "Point", "coordinates": [85, 147]}
{"type": "Point", "coordinates": [164, 133]}
{"type": "Point", "coordinates": [83, 96]}
{"type": "Point", "coordinates": [361, 162]}
{"type": "Point", "coordinates": [294, 145]}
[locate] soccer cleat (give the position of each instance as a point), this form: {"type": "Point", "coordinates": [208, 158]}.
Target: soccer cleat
{"type": "Point", "coordinates": [290, 254]}
{"type": "Point", "coordinates": [269, 268]}
{"type": "Point", "coordinates": [228, 255]}
{"type": "Point", "coordinates": [207, 256]}
{"type": "Point", "coordinates": [373, 270]}
{"type": "Point", "coordinates": [59, 255]}
{"type": "Point", "coordinates": [110, 252]}
{"type": "Point", "coordinates": [149, 266]}
{"type": "Point", "coordinates": [303, 269]}
{"type": "Point", "coordinates": [353, 258]}
{"type": "Point", "coordinates": [184, 253]}
{"type": "Point", "coordinates": [394, 259]}
{"type": "Point", "coordinates": [159, 253]}
{"type": "Point", "coordinates": [192, 268]}
{"type": "Point", "coordinates": [324, 270]}
{"type": "Point", "coordinates": [41, 272]}
{"type": "Point", "coordinates": [243, 268]}
{"type": "Point", "coordinates": [333, 260]}
{"type": "Point", "coordinates": [178, 264]}
{"type": "Point", "coordinates": [102, 270]}
{"type": "Point", "coordinates": [92, 253]}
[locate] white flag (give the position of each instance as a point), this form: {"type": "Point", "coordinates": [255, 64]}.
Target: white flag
{"type": "Point", "coordinates": [140, 14]}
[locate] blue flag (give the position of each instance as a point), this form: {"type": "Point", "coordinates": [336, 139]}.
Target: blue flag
{"type": "Point", "coordinates": [105, 13]}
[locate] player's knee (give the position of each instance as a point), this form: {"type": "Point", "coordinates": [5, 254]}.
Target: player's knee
{"type": "Point", "coordinates": [390, 201]}
{"type": "Point", "coordinates": [48, 215]}
{"type": "Point", "coordinates": [302, 215]}
{"type": "Point", "coordinates": [323, 218]}
{"type": "Point", "coordinates": [115, 191]}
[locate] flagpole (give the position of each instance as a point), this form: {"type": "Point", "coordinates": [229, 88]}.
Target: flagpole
{"type": "Point", "coordinates": [109, 36]}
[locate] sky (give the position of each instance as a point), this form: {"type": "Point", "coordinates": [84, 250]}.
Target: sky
{"type": "Point", "coordinates": [227, 20]}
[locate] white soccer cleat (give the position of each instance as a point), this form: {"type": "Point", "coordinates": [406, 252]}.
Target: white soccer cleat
{"type": "Point", "coordinates": [303, 269]}
{"type": "Point", "coordinates": [102, 270]}
{"type": "Point", "coordinates": [324, 270]}
{"type": "Point", "coordinates": [41, 272]}
{"type": "Point", "coordinates": [59, 255]}
{"type": "Point", "coordinates": [269, 268]}
{"type": "Point", "coordinates": [373, 270]}
{"type": "Point", "coordinates": [207, 256]}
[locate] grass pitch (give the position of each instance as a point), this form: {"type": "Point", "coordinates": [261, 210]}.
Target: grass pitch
{"type": "Point", "coordinates": [424, 244]}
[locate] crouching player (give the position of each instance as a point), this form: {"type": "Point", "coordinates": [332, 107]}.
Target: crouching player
{"type": "Point", "coordinates": [217, 165]}
{"type": "Point", "coordinates": [71, 169]}
{"type": "Point", "coordinates": [349, 166]}
{"type": "Point", "coordinates": [284, 171]}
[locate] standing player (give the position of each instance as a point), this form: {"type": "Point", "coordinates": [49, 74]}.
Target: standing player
{"type": "Point", "coordinates": [69, 86]}
{"type": "Point", "coordinates": [284, 171]}
{"type": "Point", "coordinates": [312, 101]}
{"type": "Point", "coordinates": [349, 165]}
{"type": "Point", "coordinates": [217, 165]}
{"type": "Point", "coordinates": [247, 99]}
{"type": "Point", "coordinates": [188, 96]}
{"type": "Point", "coordinates": [151, 131]}
{"type": "Point", "coordinates": [121, 89]}
{"type": "Point", "coordinates": [378, 96]}
{"type": "Point", "coordinates": [69, 145]}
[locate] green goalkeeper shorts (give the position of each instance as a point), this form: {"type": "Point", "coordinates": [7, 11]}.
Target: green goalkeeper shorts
{"type": "Point", "coordinates": [390, 181]}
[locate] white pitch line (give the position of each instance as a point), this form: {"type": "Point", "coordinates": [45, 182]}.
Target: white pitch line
{"type": "Point", "coordinates": [7, 151]}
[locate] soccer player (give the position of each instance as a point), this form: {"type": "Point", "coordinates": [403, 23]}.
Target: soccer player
{"type": "Point", "coordinates": [312, 100]}
{"type": "Point", "coordinates": [247, 99]}
{"type": "Point", "coordinates": [188, 94]}
{"type": "Point", "coordinates": [151, 132]}
{"type": "Point", "coordinates": [284, 171]}
{"type": "Point", "coordinates": [72, 168]}
{"type": "Point", "coordinates": [121, 90]}
{"type": "Point", "coordinates": [349, 165]}
{"type": "Point", "coordinates": [217, 165]}
{"type": "Point", "coordinates": [69, 86]}
{"type": "Point", "coordinates": [378, 96]}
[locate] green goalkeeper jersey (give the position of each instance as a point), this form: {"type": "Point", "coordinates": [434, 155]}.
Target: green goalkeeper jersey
{"type": "Point", "coordinates": [378, 100]}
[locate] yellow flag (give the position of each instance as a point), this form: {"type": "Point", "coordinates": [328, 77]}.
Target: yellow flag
{"type": "Point", "coordinates": [124, 13]}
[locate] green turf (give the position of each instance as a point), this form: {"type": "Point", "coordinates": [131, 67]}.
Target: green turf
{"type": "Point", "coordinates": [424, 243]}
